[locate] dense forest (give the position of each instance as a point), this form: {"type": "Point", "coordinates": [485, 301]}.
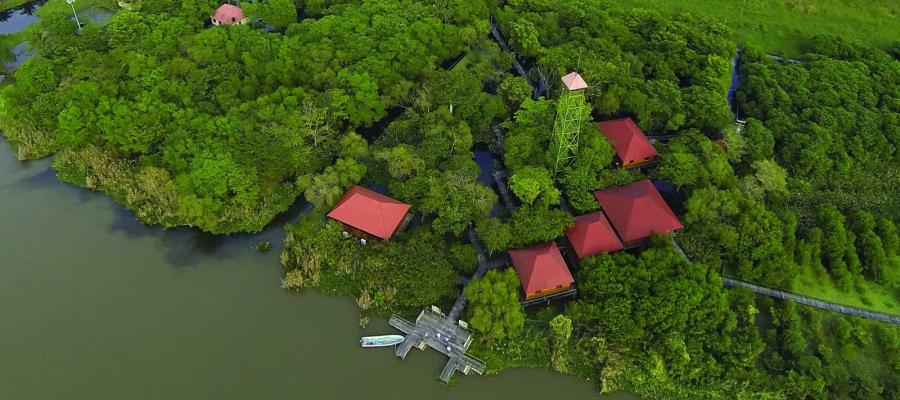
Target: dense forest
{"type": "Point", "coordinates": [222, 128]}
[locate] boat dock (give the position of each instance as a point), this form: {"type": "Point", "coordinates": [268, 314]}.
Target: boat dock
{"type": "Point", "coordinates": [433, 329]}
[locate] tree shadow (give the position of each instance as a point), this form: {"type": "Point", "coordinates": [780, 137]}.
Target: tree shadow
{"type": "Point", "coordinates": [42, 179]}
{"type": "Point", "coordinates": [187, 246]}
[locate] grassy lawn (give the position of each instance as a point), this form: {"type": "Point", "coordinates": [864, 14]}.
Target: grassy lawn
{"type": "Point", "coordinates": [865, 294]}
{"type": "Point", "coordinates": [782, 26]}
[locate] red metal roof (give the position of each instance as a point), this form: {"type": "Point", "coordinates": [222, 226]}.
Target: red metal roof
{"type": "Point", "coordinates": [540, 267]}
{"type": "Point", "coordinates": [592, 235]}
{"type": "Point", "coordinates": [637, 210]}
{"type": "Point", "coordinates": [628, 140]}
{"type": "Point", "coordinates": [370, 212]}
{"type": "Point", "coordinates": [228, 14]}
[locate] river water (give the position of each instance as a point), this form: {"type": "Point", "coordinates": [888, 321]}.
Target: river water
{"type": "Point", "coordinates": [14, 20]}
{"type": "Point", "coordinates": [94, 305]}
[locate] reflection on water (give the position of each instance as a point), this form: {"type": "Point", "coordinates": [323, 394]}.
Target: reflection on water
{"type": "Point", "coordinates": [16, 19]}
{"type": "Point", "coordinates": [20, 53]}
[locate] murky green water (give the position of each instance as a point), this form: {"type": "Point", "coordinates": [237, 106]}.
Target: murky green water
{"type": "Point", "coordinates": [94, 305]}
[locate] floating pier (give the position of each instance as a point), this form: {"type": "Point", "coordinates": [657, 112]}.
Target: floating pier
{"type": "Point", "coordinates": [433, 329]}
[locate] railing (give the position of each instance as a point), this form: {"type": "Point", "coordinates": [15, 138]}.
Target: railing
{"type": "Point", "coordinates": [809, 301]}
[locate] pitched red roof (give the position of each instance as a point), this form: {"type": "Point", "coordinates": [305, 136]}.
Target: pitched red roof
{"type": "Point", "coordinates": [370, 212]}
{"type": "Point", "coordinates": [540, 267]}
{"type": "Point", "coordinates": [628, 140]}
{"type": "Point", "coordinates": [228, 14]}
{"type": "Point", "coordinates": [591, 235]}
{"type": "Point", "coordinates": [637, 210]}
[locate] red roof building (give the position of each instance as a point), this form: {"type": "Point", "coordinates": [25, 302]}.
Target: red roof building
{"type": "Point", "coordinates": [541, 270]}
{"type": "Point", "coordinates": [636, 211]}
{"type": "Point", "coordinates": [370, 212]}
{"type": "Point", "coordinates": [228, 14]}
{"type": "Point", "coordinates": [631, 145]}
{"type": "Point", "coordinates": [591, 235]}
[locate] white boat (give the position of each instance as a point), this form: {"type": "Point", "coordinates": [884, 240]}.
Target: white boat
{"type": "Point", "coordinates": [380, 341]}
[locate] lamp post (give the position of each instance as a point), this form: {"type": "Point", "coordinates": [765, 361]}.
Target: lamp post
{"type": "Point", "coordinates": [72, 3]}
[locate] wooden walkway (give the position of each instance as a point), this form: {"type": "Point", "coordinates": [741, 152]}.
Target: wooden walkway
{"type": "Point", "coordinates": [539, 86]}
{"type": "Point", "coordinates": [446, 333]}
{"type": "Point", "coordinates": [495, 32]}
{"type": "Point", "coordinates": [501, 180]}
{"type": "Point", "coordinates": [500, 175]}
{"type": "Point", "coordinates": [433, 329]}
{"type": "Point", "coordinates": [483, 266]}
{"type": "Point", "coordinates": [809, 301]}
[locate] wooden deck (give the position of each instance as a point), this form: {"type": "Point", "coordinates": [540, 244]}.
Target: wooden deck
{"type": "Point", "coordinates": [433, 329]}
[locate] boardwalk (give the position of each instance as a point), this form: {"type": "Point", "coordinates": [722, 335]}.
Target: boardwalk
{"type": "Point", "coordinates": [500, 179]}
{"type": "Point", "coordinates": [433, 329]}
{"type": "Point", "coordinates": [483, 266]}
{"type": "Point", "coordinates": [500, 174]}
{"type": "Point", "coordinates": [780, 294]}
{"type": "Point", "coordinates": [539, 87]}
{"type": "Point", "coordinates": [498, 140]}
{"type": "Point", "coordinates": [809, 301]}
{"type": "Point", "coordinates": [495, 31]}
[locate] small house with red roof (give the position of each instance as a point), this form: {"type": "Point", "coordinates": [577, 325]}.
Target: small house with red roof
{"type": "Point", "coordinates": [542, 270]}
{"type": "Point", "coordinates": [636, 211]}
{"type": "Point", "coordinates": [367, 213]}
{"type": "Point", "coordinates": [592, 234]}
{"type": "Point", "coordinates": [228, 14]}
{"type": "Point", "coordinates": [632, 147]}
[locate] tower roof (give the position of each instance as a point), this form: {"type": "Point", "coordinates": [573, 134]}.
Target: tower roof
{"type": "Point", "coordinates": [637, 210]}
{"type": "Point", "coordinates": [370, 212]}
{"type": "Point", "coordinates": [228, 14]}
{"type": "Point", "coordinates": [591, 235]}
{"type": "Point", "coordinates": [573, 81]}
{"type": "Point", "coordinates": [627, 138]}
{"type": "Point", "coordinates": [540, 267]}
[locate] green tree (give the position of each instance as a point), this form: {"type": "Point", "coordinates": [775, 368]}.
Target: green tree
{"type": "Point", "coordinates": [888, 232]}
{"type": "Point", "coordinates": [747, 236]}
{"type": "Point", "coordinates": [868, 243]}
{"type": "Point", "coordinates": [768, 178]}
{"type": "Point", "coordinates": [658, 302]}
{"type": "Point", "coordinates": [494, 308]}
{"type": "Point", "coordinates": [278, 13]}
{"type": "Point", "coordinates": [125, 29]}
{"type": "Point", "coordinates": [560, 332]}
{"type": "Point", "coordinates": [842, 263]}
{"type": "Point", "coordinates": [760, 140]}
{"type": "Point", "coordinates": [514, 90]}
{"type": "Point", "coordinates": [692, 159]}
{"type": "Point", "coordinates": [529, 183]}
{"type": "Point", "coordinates": [325, 189]}
{"type": "Point", "coordinates": [402, 162]}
